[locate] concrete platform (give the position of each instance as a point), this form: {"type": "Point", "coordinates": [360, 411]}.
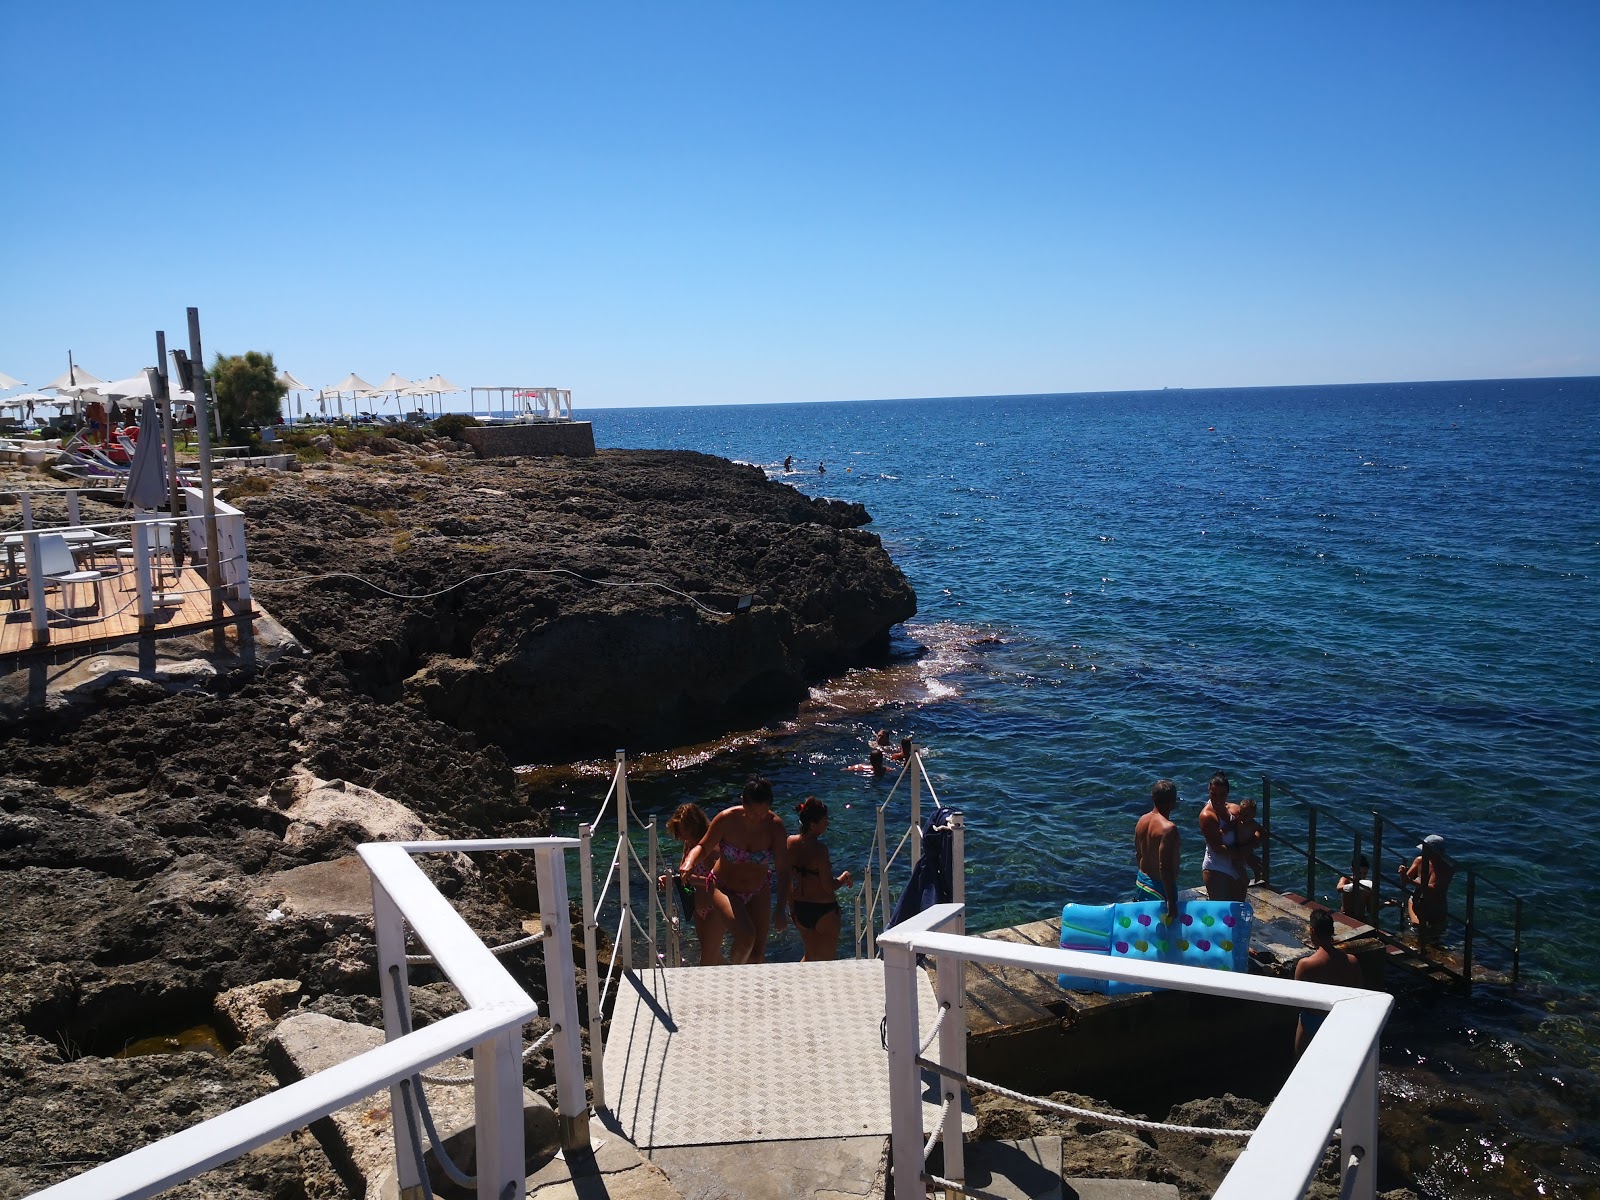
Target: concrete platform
{"type": "Point", "coordinates": [772, 1052]}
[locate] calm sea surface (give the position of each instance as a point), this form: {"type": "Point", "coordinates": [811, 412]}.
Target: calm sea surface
{"type": "Point", "coordinates": [1380, 596]}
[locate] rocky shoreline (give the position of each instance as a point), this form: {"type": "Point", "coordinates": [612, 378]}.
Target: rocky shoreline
{"type": "Point", "coordinates": [160, 846]}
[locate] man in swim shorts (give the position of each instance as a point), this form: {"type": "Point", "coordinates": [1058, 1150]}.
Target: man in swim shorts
{"type": "Point", "coordinates": [1155, 843]}
{"type": "Point", "coordinates": [1325, 964]}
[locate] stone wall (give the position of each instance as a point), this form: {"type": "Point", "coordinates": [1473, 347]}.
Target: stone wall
{"type": "Point", "coordinates": [574, 438]}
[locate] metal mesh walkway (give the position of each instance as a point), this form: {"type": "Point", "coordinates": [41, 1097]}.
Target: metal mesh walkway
{"type": "Point", "coordinates": [760, 1053]}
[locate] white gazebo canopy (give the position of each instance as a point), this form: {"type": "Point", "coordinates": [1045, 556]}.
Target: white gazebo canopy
{"type": "Point", "coordinates": [74, 381]}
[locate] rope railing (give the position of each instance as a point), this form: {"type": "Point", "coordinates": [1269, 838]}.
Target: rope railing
{"type": "Point", "coordinates": [469, 1077]}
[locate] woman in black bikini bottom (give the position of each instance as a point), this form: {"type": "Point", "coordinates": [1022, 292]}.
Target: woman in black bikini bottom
{"type": "Point", "coordinates": [816, 912]}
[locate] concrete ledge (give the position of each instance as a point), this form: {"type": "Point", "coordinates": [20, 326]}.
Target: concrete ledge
{"type": "Point", "coordinates": [572, 438]}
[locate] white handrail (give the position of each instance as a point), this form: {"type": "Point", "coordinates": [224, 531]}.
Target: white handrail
{"type": "Point", "coordinates": [491, 1026]}
{"type": "Point", "coordinates": [1334, 1085]}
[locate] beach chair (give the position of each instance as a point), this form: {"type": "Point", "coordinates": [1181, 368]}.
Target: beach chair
{"type": "Point", "coordinates": [60, 570]}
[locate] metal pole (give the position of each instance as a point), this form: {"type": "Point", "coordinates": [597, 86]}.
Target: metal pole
{"type": "Point", "coordinates": [1377, 868]}
{"type": "Point", "coordinates": [652, 891]}
{"type": "Point", "coordinates": [40, 615]}
{"type": "Point", "coordinates": [914, 764]}
{"type": "Point", "coordinates": [950, 991]}
{"type": "Point", "coordinates": [866, 892]}
{"type": "Point", "coordinates": [572, 1103]}
{"type": "Point", "coordinates": [591, 964]}
{"type": "Point", "coordinates": [1266, 831]}
{"type": "Point", "coordinates": [883, 870]}
{"type": "Point", "coordinates": [1466, 943]}
{"type": "Point", "coordinates": [1359, 1130]}
{"type": "Point", "coordinates": [390, 934]}
{"type": "Point", "coordinates": [164, 407]}
{"type": "Point", "coordinates": [624, 867]}
{"type": "Point", "coordinates": [207, 492]}
{"type": "Point", "coordinates": [1311, 855]}
{"type": "Point", "coordinates": [905, 1082]}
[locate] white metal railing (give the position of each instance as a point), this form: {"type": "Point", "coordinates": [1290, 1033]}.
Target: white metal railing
{"type": "Point", "coordinates": [491, 1027]}
{"type": "Point", "coordinates": [619, 871]}
{"type": "Point", "coordinates": [1334, 1085]}
{"type": "Point", "coordinates": [135, 547]}
{"type": "Point", "coordinates": [874, 902]}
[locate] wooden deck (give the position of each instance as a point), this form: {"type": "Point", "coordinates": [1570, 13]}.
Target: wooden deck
{"type": "Point", "coordinates": [1004, 999]}
{"type": "Point", "coordinates": [113, 615]}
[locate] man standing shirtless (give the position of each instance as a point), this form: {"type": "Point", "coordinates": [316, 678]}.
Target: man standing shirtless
{"type": "Point", "coordinates": [1155, 840]}
{"type": "Point", "coordinates": [1326, 963]}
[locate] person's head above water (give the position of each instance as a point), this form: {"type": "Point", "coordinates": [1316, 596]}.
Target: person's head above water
{"type": "Point", "coordinates": [757, 791]}
{"type": "Point", "coordinates": [1321, 922]}
{"type": "Point", "coordinates": [876, 759]}
{"type": "Point", "coordinates": [688, 823]}
{"type": "Point", "coordinates": [1218, 788]}
{"type": "Point", "coordinates": [1163, 795]}
{"type": "Point", "coordinates": [811, 812]}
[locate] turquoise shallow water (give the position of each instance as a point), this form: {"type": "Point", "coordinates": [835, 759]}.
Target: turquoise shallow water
{"type": "Point", "coordinates": [1381, 596]}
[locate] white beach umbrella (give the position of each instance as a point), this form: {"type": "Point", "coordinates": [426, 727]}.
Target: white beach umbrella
{"type": "Point", "coordinates": [131, 388]}
{"type": "Point", "coordinates": [290, 382]}
{"type": "Point", "coordinates": [354, 383]}
{"type": "Point", "coordinates": [6, 382]}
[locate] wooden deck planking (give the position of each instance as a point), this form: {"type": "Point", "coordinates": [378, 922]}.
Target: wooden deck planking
{"type": "Point", "coordinates": [117, 617]}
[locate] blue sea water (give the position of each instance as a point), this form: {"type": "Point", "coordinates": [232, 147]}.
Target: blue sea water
{"type": "Point", "coordinates": [1381, 596]}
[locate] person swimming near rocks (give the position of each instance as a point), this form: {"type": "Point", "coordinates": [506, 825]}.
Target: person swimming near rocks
{"type": "Point", "coordinates": [815, 905]}
{"type": "Point", "coordinates": [1156, 844]}
{"type": "Point", "coordinates": [788, 463]}
{"type": "Point", "coordinates": [821, 469]}
{"type": "Point", "coordinates": [1223, 868]}
{"type": "Point", "coordinates": [743, 852]}
{"type": "Point", "coordinates": [874, 765]}
{"type": "Point", "coordinates": [688, 824]}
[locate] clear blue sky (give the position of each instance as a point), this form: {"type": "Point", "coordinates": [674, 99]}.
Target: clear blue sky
{"type": "Point", "coordinates": [694, 203]}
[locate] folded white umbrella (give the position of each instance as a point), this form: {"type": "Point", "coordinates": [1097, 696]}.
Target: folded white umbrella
{"type": "Point", "coordinates": [147, 473]}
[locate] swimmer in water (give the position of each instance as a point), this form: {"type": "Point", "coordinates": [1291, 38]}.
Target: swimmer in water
{"type": "Point", "coordinates": [788, 463]}
{"type": "Point", "coordinates": [821, 469]}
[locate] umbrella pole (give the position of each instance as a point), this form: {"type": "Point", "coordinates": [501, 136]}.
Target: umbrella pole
{"type": "Point", "coordinates": [165, 411]}
{"type": "Point", "coordinates": [203, 424]}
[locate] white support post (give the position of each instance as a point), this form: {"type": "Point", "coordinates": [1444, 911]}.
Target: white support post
{"type": "Point", "coordinates": [905, 1079]}
{"type": "Point", "coordinates": [624, 945]}
{"type": "Point", "coordinates": [866, 892]}
{"type": "Point", "coordinates": [958, 865]}
{"type": "Point", "coordinates": [73, 516]}
{"type": "Point", "coordinates": [40, 615]}
{"type": "Point", "coordinates": [241, 569]}
{"type": "Point", "coordinates": [914, 764]}
{"type": "Point", "coordinates": [26, 501]}
{"type": "Point", "coordinates": [497, 1111]}
{"type": "Point", "coordinates": [591, 963]}
{"type": "Point", "coordinates": [141, 574]}
{"type": "Point", "coordinates": [390, 934]}
{"type": "Point", "coordinates": [855, 928]}
{"type": "Point", "coordinates": [1359, 1130]}
{"type": "Point", "coordinates": [883, 871]}
{"type": "Point", "coordinates": [655, 961]}
{"type": "Point", "coordinates": [572, 1104]}
{"type": "Point", "coordinates": [950, 990]}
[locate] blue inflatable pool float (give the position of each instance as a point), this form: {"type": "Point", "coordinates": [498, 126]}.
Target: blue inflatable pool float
{"type": "Point", "coordinates": [1209, 933]}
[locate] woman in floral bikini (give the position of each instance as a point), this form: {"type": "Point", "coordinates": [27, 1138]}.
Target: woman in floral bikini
{"type": "Point", "coordinates": [742, 853]}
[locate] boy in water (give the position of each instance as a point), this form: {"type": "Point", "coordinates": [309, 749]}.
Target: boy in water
{"type": "Point", "coordinates": [1155, 843]}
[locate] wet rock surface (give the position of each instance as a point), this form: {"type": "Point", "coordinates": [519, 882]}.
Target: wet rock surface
{"type": "Point", "coordinates": [163, 845]}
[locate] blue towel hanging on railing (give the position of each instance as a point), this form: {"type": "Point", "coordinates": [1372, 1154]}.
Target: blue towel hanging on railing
{"type": "Point", "coordinates": [932, 877]}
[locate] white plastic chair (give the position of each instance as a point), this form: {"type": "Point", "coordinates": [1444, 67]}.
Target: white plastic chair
{"type": "Point", "coordinates": [59, 569]}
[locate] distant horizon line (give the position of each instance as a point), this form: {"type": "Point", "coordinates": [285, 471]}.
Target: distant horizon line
{"type": "Point", "coordinates": [1254, 387]}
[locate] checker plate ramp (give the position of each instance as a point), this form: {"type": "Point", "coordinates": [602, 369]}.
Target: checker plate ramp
{"type": "Point", "coordinates": [765, 1052]}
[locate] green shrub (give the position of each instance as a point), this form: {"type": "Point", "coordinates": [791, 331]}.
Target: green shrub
{"type": "Point", "coordinates": [451, 424]}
